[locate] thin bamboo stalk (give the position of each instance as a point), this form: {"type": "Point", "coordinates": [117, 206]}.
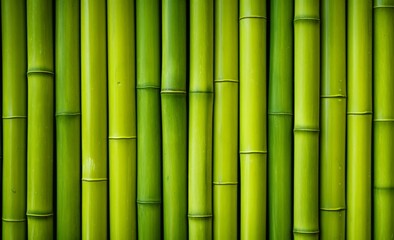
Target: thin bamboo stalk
{"type": "Point", "coordinates": [68, 120]}
{"type": "Point", "coordinates": [280, 120]}
{"type": "Point", "coordinates": [13, 18]}
{"type": "Point", "coordinates": [174, 115]}
{"type": "Point", "coordinates": [40, 134]}
{"type": "Point", "coordinates": [383, 119]}
{"type": "Point", "coordinates": [200, 119]}
{"type": "Point", "coordinates": [225, 175]}
{"type": "Point", "coordinates": [94, 119]}
{"type": "Point", "coordinates": [359, 119]}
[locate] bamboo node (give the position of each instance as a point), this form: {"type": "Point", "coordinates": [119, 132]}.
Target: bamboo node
{"type": "Point", "coordinates": [336, 209]}
{"type": "Point", "coordinates": [72, 114]}
{"type": "Point", "coordinates": [333, 96]}
{"type": "Point", "coordinates": [14, 220]}
{"type": "Point", "coordinates": [383, 120]}
{"type": "Point", "coordinates": [252, 16]}
{"type": "Point", "coordinates": [296, 19]}
{"type": "Point", "coordinates": [253, 152]}
{"type": "Point", "coordinates": [383, 6]}
{"type": "Point", "coordinates": [281, 113]}
{"type": "Point", "coordinates": [121, 137]}
{"type": "Point", "coordinates": [203, 92]}
{"type": "Point", "coordinates": [15, 117]}
{"type": "Point", "coordinates": [224, 183]}
{"type": "Point", "coordinates": [360, 113]}
{"type": "Point", "coordinates": [148, 87]}
{"type": "Point", "coordinates": [170, 91]}
{"type": "Point", "coordinates": [298, 231]}
{"type": "Point", "coordinates": [40, 71]}
{"type": "Point", "coordinates": [148, 202]}
{"type": "Point", "coordinates": [226, 80]}
{"type": "Point", "coordinates": [313, 130]}
{"type": "Point", "coordinates": [199, 215]}
{"type": "Point", "coordinates": [39, 215]}
{"type": "Point", "coordinates": [94, 179]}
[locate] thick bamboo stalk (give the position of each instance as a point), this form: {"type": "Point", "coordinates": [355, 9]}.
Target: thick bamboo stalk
{"type": "Point", "coordinates": [122, 119]}
{"type": "Point", "coordinates": [68, 120]}
{"type": "Point", "coordinates": [306, 118]}
{"type": "Point", "coordinates": [14, 51]}
{"type": "Point", "coordinates": [40, 135]}
{"type": "Point", "coordinates": [148, 120]}
{"type": "Point", "coordinates": [225, 166]}
{"type": "Point", "coordinates": [383, 119]}
{"type": "Point", "coordinates": [333, 120]}
{"type": "Point", "coordinates": [280, 120]}
{"type": "Point", "coordinates": [359, 119]}
{"type": "Point", "coordinates": [94, 119]}
{"type": "Point", "coordinates": [200, 119]}
{"type": "Point", "coordinates": [253, 118]}
{"type": "Point", "coordinates": [174, 115]}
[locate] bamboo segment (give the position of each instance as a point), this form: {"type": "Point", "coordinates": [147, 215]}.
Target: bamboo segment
{"type": "Point", "coordinates": [40, 135]}
{"type": "Point", "coordinates": [333, 120]}
{"type": "Point", "coordinates": [306, 118]}
{"type": "Point", "coordinates": [122, 119]}
{"type": "Point", "coordinates": [253, 118]}
{"type": "Point", "coordinates": [148, 120]}
{"type": "Point", "coordinates": [200, 119]}
{"type": "Point", "coordinates": [94, 119]}
{"type": "Point", "coordinates": [225, 175]}
{"type": "Point", "coordinates": [13, 18]}
{"type": "Point", "coordinates": [359, 119]}
{"type": "Point", "coordinates": [174, 114]}
{"type": "Point", "coordinates": [280, 120]}
{"type": "Point", "coordinates": [383, 119]}
{"type": "Point", "coordinates": [68, 120]}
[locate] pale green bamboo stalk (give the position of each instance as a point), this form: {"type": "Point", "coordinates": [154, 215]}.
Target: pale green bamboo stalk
{"type": "Point", "coordinates": [14, 87]}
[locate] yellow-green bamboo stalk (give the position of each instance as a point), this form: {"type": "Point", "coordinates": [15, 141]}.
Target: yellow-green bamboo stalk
{"type": "Point", "coordinates": [333, 120]}
{"type": "Point", "coordinates": [13, 19]}
{"type": "Point", "coordinates": [94, 119]}
{"type": "Point", "coordinates": [306, 118]}
{"type": "Point", "coordinates": [383, 119]}
{"type": "Point", "coordinates": [68, 120]}
{"type": "Point", "coordinates": [200, 119]}
{"type": "Point", "coordinates": [359, 119]}
{"type": "Point", "coordinates": [174, 115]}
{"type": "Point", "coordinates": [40, 134]}
{"type": "Point", "coordinates": [225, 167]}
{"type": "Point", "coordinates": [122, 119]}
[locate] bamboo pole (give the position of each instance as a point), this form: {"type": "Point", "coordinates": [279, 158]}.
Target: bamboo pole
{"type": "Point", "coordinates": [174, 115]}
{"type": "Point", "coordinates": [122, 119]}
{"type": "Point", "coordinates": [359, 119]}
{"type": "Point", "coordinates": [225, 175]}
{"type": "Point", "coordinates": [200, 119]}
{"type": "Point", "coordinates": [148, 120]}
{"type": "Point", "coordinates": [94, 119]}
{"type": "Point", "coordinates": [306, 118]}
{"type": "Point", "coordinates": [68, 120]}
{"type": "Point", "coordinates": [333, 120]}
{"type": "Point", "coordinates": [280, 120]}
{"type": "Point", "coordinates": [13, 18]}
{"type": "Point", "coordinates": [383, 119]}
{"type": "Point", "coordinates": [40, 135]}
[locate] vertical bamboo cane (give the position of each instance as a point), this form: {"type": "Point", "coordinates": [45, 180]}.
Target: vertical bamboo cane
{"type": "Point", "coordinates": [40, 138]}
{"type": "Point", "coordinates": [333, 120]}
{"type": "Point", "coordinates": [174, 114]}
{"type": "Point", "coordinates": [13, 20]}
{"type": "Point", "coordinates": [122, 119]}
{"type": "Point", "coordinates": [94, 119]}
{"type": "Point", "coordinates": [280, 120]}
{"type": "Point", "coordinates": [359, 119]}
{"type": "Point", "coordinates": [383, 119]}
{"type": "Point", "coordinates": [200, 119]}
{"type": "Point", "coordinates": [225, 176]}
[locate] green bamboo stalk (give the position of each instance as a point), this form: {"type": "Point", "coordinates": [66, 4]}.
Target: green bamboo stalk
{"type": "Point", "coordinates": [13, 19]}
{"type": "Point", "coordinates": [94, 119]}
{"type": "Point", "coordinates": [383, 119]}
{"type": "Point", "coordinates": [174, 115]}
{"type": "Point", "coordinates": [40, 134]}
{"type": "Point", "coordinates": [280, 120]}
{"type": "Point", "coordinates": [306, 118]}
{"type": "Point", "coordinates": [225, 175]}
{"type": "Point", "coordinates": [333, 120]}
{"type": "Point", "coordinates": [148, 120]}
{"type": "Point", "coordinates": [359, 119]}
{"type": "Point", "coordinates": [122, 119]}
{"type": "Point", "coordinates": [200, 119]}
{"type": "Point", "coordinates": [68, 120]}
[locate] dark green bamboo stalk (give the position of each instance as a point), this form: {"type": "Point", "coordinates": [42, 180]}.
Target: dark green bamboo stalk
{"type": "Point", "coordinates": [359, 120]}
{"type": "Point", "coordinates": [13, 19]}
{"type": "Point", "coordinates": [174, 114]}
{"type": "Point", "coordinates": [68, 120]}
{"type": "Point", "coordinates": [40, 134]}
{"type": "Point", "coordinates": [200, 119]}
{"type": "Point", "coordinates": [225, 175]}
{"type": "Point", "coordinates": [333, 120]}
